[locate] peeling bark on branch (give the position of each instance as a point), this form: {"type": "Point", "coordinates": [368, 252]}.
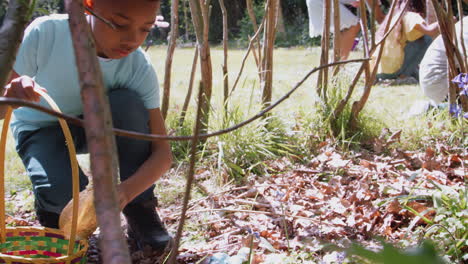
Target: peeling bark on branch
{"type": "Point", "coordinates": [101, 145]}
{"type": "Point", "coordinates": [11, 35]}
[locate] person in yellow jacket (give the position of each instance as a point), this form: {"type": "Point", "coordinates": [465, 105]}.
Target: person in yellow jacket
{"type": "Point", "coordinates": [407, 43]}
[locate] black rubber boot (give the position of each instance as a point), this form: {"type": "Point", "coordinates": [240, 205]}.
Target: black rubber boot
{"type": "Point", "coordinates": [48, 219]}
{"type": "Point", "coordinates": [145, 226]}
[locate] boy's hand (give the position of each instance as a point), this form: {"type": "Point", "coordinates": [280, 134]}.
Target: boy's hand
{"type": "Point", "coordinates": [25, 88]}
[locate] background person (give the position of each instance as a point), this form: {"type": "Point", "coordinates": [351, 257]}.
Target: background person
{"type": "Point", "coordinates": [433, 73]}
{"type": "Point", "coordinates": [349, 27]}
{"type": "Point", "coordinates": [406, 45]}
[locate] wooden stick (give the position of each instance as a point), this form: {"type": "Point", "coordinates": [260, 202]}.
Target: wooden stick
{"type": "Point", "coordinates": [249, 212]}
{"type": "Point", "coordinates": [253, 20]}
{"type": "Point", "coordinates": [190, 88]}
{"type": "Point", "coordinates": [200, 17]}
{"type": "Point", "coordinates": [190, 176]}
{"type": "Point", "coordinates": [363, 24]}
{"type": "Point", "coordinates": [169, 57]}
{"type": "Point", "coordinates": [336, 33]}
{"type": "Point", "coordinates": [244, 59]}
{"type": "Point", "coordinates": [322, 83]}
{"type": "Point", "coordinates": [99, 137]}
{"type": "Point", "coordinates": [267, 62]}
{"type": "Point", "coordinates": [225, 58]}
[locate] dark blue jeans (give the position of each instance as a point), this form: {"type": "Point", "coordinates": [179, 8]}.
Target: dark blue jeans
{"type": "Point", "coordinates": [46, 159]}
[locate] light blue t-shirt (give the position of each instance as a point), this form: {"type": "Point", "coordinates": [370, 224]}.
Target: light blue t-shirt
{"type": "Point", "coordinates": [46, 54]}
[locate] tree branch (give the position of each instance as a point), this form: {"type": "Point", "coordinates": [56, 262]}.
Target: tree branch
{"type": "Point", "coordinates": [11, 35]}
{"type": "Point", "coordinates": [170, 54]}
{"type": "Point", "coordinates": [190, 174]}
{"type": "Point", "coordinates": [101, 142]}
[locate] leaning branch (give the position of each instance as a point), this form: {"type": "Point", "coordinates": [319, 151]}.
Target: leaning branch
{"type": "Point", "coordinates": [190, 176]}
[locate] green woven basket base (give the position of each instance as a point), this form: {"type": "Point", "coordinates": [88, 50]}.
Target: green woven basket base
{"type": "Point", "coordinates": [48, 247]}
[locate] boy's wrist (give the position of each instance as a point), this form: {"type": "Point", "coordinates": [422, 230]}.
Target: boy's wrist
{"type": "Point", "coordinates": [123, 194]}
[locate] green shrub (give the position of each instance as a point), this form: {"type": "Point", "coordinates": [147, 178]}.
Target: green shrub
{"type": "Point", "coordinates": [245, 150]}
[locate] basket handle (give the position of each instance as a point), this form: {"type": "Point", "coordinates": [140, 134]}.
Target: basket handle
{"type": "Point", "coordinates": [74, 168]}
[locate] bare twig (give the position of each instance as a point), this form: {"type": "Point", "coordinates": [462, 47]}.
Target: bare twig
{"type": "Point", "coordinates": [250, 47]}
{"type": "Point", "coordinates": [190, 88]}
{"type": "Point", "coordinates": [170, 55]}
{"type": "Point", "coordinates": [152, 137]}
{"type": "Point", "coordinates": [249, 212]}
{"type": "Point", "coordinates": [322, 80]}
{"type": "Point", "coordinates": [336, 34]}
{"type": "Point", "coordinates": [200, 17]}
{"type": "Point", "coordinates": [267, 62]}
{"type": "Point", "coordinates": [252, 203]}
{"type": "Point", "coordinates": [253, 19]}
{"type": "Point", "coordinates": [363, 24]}
{"type": "Point", "coordinates": [225, 51]}
{"type": "Point", "coordinates": [190, 173]}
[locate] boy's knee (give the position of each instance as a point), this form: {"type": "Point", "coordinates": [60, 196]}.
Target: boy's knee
{"type": "Point", "coordinates": [50, 201]}
{"type": "Point", "coordinates": [128, 110]}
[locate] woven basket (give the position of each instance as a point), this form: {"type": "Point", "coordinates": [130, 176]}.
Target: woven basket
{"type": "Point", "coordinates": [40, 244]}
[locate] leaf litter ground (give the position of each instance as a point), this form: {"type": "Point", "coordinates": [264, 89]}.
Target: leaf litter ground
{"type": "Point", "coordinates": [298, 209]}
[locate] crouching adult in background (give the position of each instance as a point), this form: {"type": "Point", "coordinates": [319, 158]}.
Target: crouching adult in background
{"type": "Point", "coordinates": [433, 73]}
